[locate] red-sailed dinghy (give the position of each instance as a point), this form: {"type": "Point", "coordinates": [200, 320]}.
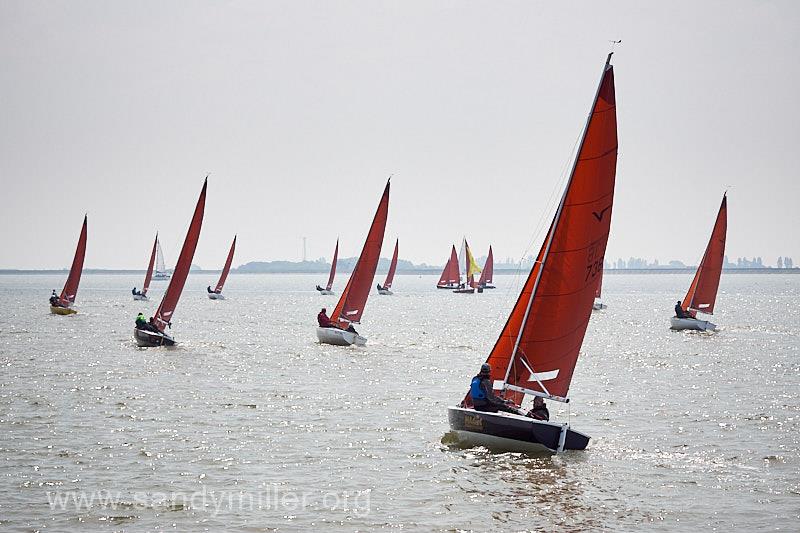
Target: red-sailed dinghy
{"type": "Point", "coordinates": [351, 304]}
{"type": "Point", "coordinates": [328, 290]}
{"type": "Point", "coordinates": [450, 277]}
{"type": "Point", "coordinates": [386, 289]}
{"type": "Point", "coordinates": [148, 276]}
{"type": "Point", "coordinates": [487, 274]}
{"type": "Point", "coordinates": [62, 305]}
{"type": "Point", "coordinates": [153, 333]}
{"type": "Point", "coordinates": [538, 348]}
{"type": "Point", "coordinates": [702, 293]}
{"type": "Point", "coordinates": [216, 294]}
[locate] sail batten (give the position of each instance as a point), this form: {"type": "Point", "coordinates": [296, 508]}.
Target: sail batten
{"type": "Point", "coordinates": [70, 290]}
{"type": "Point", "coordinates": [351, 304]}
{"type": "Point", "coordinates": [169, 302]}
{"type": "Point", "coordinates": [227, 268]}
{"type": "Point", "coordinates": [542, 338]}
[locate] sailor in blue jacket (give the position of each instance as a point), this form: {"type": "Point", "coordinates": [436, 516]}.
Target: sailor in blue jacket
{"type": "Point", "coordinates": [483, 398]}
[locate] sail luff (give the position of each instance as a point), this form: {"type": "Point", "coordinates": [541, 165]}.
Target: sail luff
{"type": "Point", "coordinates": [702, 292]}
{"type": "Point", "coordinates": [165, 311]}
{"type": "Point", "coordinates": [329, 286]}
{"type": "Point", "coordinates": [149, 274]}
{"type": "Point", "coordinates": [350, 307]}
{"type": "Point", "coordinates": [392, 268]}
{"type": "Point", "coordinates": [227, 268]}
{"type": "Point", "coordinates": [70, 290]}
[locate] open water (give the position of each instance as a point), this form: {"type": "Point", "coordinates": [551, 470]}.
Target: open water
{"type": "Point", "coordinates": [251, 425]}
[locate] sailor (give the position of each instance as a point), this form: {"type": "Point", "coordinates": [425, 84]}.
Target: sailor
{"type": "Point", "coordinates": [539, 411]}
{"type": "Point", "coordinates": [141, 321]}
{"type": "Point", "coordinates": [209, 289]}
{"type": "Point", "coordinates": [324, 321]}
{"type": "Point", "coordinates": [680, 313]}
{"type": "Point", "coordinates": [54, 299]}
{"type": "Point", "coordinates": [320, 288]}
{"type": "Point", "coordinates": [483, 398]}
{"type": "Point", "coordinates": [135, 293]}
{"type": "Point", "coordinates": [379, 287]}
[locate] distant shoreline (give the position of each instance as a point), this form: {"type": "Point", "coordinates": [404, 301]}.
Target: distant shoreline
{"type": "Point", "coordinates": [420, 272]}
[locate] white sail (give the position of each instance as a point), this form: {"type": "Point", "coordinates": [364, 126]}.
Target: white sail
{"type": "Point", "coordinates": [161, 268]}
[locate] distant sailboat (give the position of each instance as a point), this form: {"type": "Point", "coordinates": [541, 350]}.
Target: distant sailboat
{"type": "Point", "coordinates": [62, 305]}
{"type": "Point", "coordinates": [485, 281]}
{"type": "Point", "coordinates": [354, 297]}
{"type": "Point", "coordinates": [327, 291]}
{"type": "Point", "coordinates": [470, 269]}
{"type": "Point", "coordinates": [161, 269]}
{"type": "Point", "coordinates": [216, 294]}
{"type": "Point", "coordinates": [598, 305]}
{"type": "Point", "coordinates": [539, 346]}
{"type": "Point", "coordinates": [450, 275]}
{"type": "Point", "coordinates": [142, 294]}
{"type": "Point", "coordinates": [703, 291]}
{"type": "Point", "coordinates": [153, 333]}
{"type": "Point", "coordinates": [387, 285]}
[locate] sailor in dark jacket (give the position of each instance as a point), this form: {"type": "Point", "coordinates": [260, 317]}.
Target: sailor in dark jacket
{"type": "Point", "coordinates": [483, 398]}
{"type": "Point", "coordinates": [539, 411]}
{"type": "Point", "coordinates": [680, 313]}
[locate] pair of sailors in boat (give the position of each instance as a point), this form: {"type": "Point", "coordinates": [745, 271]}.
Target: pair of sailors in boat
{"type": "Point", "coordinates": [55, 301]}
{"type": "Point", "coordinates": [378, 286]}
{"type": "Point", "coordinates": [484, 399]}
{"type": "Point", "coordinates": [680, 313]}
{"type": "Point", "coordinates": [320, 288]}
{"type": "Point", "coordinates": [210, 291]}
{"type": "Point", "coordinates": [137, 293]}
{"type": "Point", "coordinates": [143, 323]}
{"type": "Point", "coordinates": [325, 322]}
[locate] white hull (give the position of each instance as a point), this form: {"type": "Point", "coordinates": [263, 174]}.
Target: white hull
{"type": "Point", "coordinates": [327, 293]}
{"type": "Point", "coordinates": [340, 337]}
{"type": "Point", "coordinates": [598, 306]}
{"type": "Point", "coordinates": [680, 324]}
{"type": "Point", "coordinates": [385, 292]}
{"type": "Point", "coordinates": [215, 296]}
{"type": "Point", "coordinates": [141, 298]}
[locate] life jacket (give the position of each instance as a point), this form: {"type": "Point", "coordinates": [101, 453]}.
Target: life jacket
{"type": "Point", "coordinates": [475, 390]}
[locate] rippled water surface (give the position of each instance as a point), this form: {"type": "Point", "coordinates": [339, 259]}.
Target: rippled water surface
{"type": "Point", "coordinates": [252, 425]}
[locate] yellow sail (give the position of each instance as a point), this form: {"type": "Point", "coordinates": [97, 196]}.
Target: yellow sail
{"type": "Point", "coordinates": [472, 266]}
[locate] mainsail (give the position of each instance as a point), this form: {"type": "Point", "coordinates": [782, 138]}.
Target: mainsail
{"type": "Point", "coordinates": [539, 344]}
{"type": "Point", "coordinates": [488, 270]}
{"type": "Point", "coordinates": [149, 275]}
{"type": "Point", "coordinates": [450, 274]}
{"type": "Point", "coordinates": [392, 268]}
{"type": "Point", "coordinates": [173, 294]}
{"type": "Point", "coordinates": [470, 265]}
{"type": "Point", "coordinates": [703, 291]}
{"type": "Point", "coordinates": [351, 304]}
{"type": "Point", "coordinates": [329, 286]}
{"type": "Point", "coordinates": [226, 268]}
{"type": "Point", "coordinates": [74, 279]}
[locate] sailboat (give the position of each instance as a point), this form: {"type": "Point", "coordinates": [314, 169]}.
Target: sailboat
{"type": "Point", "coordinates": [354, 297]}
{"type": "Point", "coordinates": [142, 294]}
{"type": "Point", "coordinates": [450, 276]}
{"type": "Point", "coordinates": [387, 285]}
{"type": "Point", "coordinates": [216, 294]}
{"type": "Point", "coordinates": [153, 333]}
{"type": "Point", "coordinates": [327, 290]}
{"type": "Point", "coordinates": [485, 281]}
{"type": "Point", "coordinates": [539, 345]}
{"type": "Point", "coordinates": [703, 290]}
{"type": "Point", "coordinates": [470, 269]}
{"type": "Point", "coordinates": [62, 305]}
{"type": "Point", "coordinates": [161, 269]}
{"type": "Point", "coordinates": [598, 305]}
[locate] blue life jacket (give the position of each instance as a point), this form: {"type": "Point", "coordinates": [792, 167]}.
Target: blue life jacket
{"type": "Point", "coordinates": [475, 389]}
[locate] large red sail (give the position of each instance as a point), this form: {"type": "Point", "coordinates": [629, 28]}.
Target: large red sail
{"type": "Point", "coordinates": [488, 269]}
{"type": "Point", "coordinates": [181, 272]}
{"type": "Point", "coordinates": [351, 304]}
{"type": "Point", "coordinates": [392, 268]}
{"type": "Point", "coordinates": [333, 266]}
{"type": "Point", "coordinates": [703, 292]}
{"type": "Point", "coordinates": [74, 279]}
{"type": "Point", "coordinates": [549, 320]}
{"type": "Point", "coordinates": [226, 268]}
{"type": "Point", "coordinates": [450, 274]}
{"type": "Point", "coordinates": [149, 275]}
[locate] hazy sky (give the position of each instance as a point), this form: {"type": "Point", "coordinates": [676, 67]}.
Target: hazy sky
{"type": "Point", "coordinates": [300, 110]}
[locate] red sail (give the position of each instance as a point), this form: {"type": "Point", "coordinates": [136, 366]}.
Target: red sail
{"type": "Point", "coordinates": [549, 320]}
{"type": "Point", "coordinates": [392, 268]}
{"type": "Point", "coordinates": [226, 268]}
{"type": "Point", "coordinates": [450, 274]}
{"type": "Point", "coordinates": [351, 304]}
{"type": "Point", "coordinates": [488, 270]}
{"type": "Point", "coordinates": [170, 301]}
{"type": "Point", "coordinates": [149, 275]}
{"type": "Point", "coordinates": [599, 292]}
{"type": "Point", "coordinates": [74, 278]}
{"type": "Point", "coordinates": [703, 292]}
{"type": "Point", "coordinates": [333, 266]}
